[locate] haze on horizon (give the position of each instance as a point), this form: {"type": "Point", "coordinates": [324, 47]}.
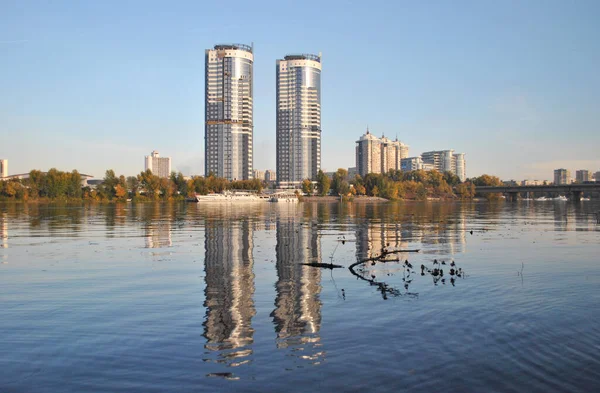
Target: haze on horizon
{"type": "Point", "coordinates": [98, 85]}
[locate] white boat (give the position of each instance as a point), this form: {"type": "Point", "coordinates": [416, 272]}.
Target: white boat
{"type": "Point", "coordinates": [232, 196]}
{"type": "Point", "coordinates": [561, 198]}
{"type": "Point", "coordinates": [284, 197]}
{"type": "Point", "coordinates": [541, 199]}
{"type": "Point", "coordinates": [585, 199]}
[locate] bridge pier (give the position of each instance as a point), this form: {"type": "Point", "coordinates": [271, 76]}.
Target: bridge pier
{"type": "Point", "coordinates": [512, 196]}
{"type": "Point", "coordinates": [576, 195]}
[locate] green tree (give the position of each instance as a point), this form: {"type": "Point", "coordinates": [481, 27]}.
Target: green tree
{"type": "Point", "coordinates": [339, 178]}
{"type": "Point", "coordinates": [323, 183]}
{"type": "Point", "coordinates": [133, 185]}
{"type": "Point", "coordinates": [181, 184]}
{"type": "Point", "coordinates": [451, 179]}
{"type": "Point", "coordinates": [307, 187]}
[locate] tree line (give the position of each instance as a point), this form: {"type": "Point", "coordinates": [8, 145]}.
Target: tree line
{"type": "Point", "coordinates": [58, 185]}
{"type": "Point", "coordinates": [397, 184]}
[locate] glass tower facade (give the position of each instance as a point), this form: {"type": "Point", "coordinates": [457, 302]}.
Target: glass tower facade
{"type": "Point", "coordinates": [298, 119]}
{"type": "Point", "coordinates": [229, 111]}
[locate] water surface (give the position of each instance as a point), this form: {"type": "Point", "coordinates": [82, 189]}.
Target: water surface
{"type": "Point", "coordinates": [186, 297]}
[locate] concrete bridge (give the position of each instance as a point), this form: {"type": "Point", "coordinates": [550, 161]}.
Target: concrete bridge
{"type": "Point", "coordinates": [572, 191]}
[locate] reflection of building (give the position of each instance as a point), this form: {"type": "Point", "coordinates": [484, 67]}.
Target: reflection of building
{"type": "Point", "coordinates": [298, 119]}
{"type": "Point", "coordinates": [229, 287]}
{"type": "Point", "coordinates": [378, 155]}
{"type": "Point", "coordinates": [158, 234]}
{"type": "Point", "coordinates": [372, 238]}
{"type": "Point", "coordinates": [160, 166]}
{"type": "Point", "coordinates": [229, 111]}
{"type": "Point", "coordinates": [443, 225]}
{"type": "Point", "coordinates": [562, 176]}
{"type": "Point", "coordinates": [3, 231]}
{"type": "Point", "coordinates": [297, 314]}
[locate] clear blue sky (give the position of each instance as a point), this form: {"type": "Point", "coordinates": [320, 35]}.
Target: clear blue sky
{"type": "Point", "coordinates": [93, 85]}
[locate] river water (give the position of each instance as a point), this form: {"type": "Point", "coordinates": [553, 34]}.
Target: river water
{"type": "Point", "coordinates": [184, 297]}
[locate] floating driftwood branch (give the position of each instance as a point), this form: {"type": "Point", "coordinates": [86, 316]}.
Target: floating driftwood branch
{"type": "Point", "coordinates": [322, 265]}
{"type": "Point", "coordinates": [383, 255]}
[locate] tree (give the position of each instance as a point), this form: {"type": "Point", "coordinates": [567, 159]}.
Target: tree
{"type": "Point", "coordinates": [339, 177]}
{"type": "Point", "coordinates": [307, 187]}
{"type": "Point", "coordinates": [451, 179]}
{"type": "Point", "coordinates": [323, 183]}
{"type": "Point", "coordinates": [360, 189]}
{"type": "Point", "coordinates": [465, 190]}
{"type": "Point", "coordinates": [133, 185]}
{"type": "Point", "coordinates": [150, 183]}
{"type": "Point", "coordinates": [180, 183]}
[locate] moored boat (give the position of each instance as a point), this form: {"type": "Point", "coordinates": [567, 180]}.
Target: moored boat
{"type": "Point", "coordinates": [284, 197]}
{"type": "Point", "coordinates": [232, 196]}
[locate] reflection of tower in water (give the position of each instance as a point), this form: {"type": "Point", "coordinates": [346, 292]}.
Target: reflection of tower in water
{"type": "Point", "coordinates": [371, 238]}
{"type": "Point", "coordinates": [3, 231]}
{"type": "Point", "coordinates": [229, 290]}
{"type": "Point", "coordinates": [158, 235]}
{"type": "Point", "coordinates": [297, 314]}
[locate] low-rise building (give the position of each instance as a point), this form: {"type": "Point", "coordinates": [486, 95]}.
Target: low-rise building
{"type": "Point", "coordinates": [533, 182]}
{"type": "Point", "coordinates": [260, 175]}
{"type": "Point", "coordinates": [411, 164]}
{"type": "Point", "coordinates": [352, 172]}
{"type": "Point", "coordinates": [270, 176]}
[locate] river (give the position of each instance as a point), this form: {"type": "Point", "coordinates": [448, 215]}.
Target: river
{"type": "Point", "coordinates": [218, 297]}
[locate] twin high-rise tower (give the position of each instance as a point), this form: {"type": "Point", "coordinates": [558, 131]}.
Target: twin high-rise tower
{"type": "Point", "coordinates": [229, 112]}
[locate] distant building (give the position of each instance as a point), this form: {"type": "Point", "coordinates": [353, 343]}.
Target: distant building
{"type": "Point", "coordinates": [411, 164]}
{"type": "Point", "coordinates": [260, 175]}
{"type": "Point", "coordinates": [459, 166]}
{"type": "Point", "coordinates": [582, 176]}
{"type": "Point", "coordinates": [298, 119]}
{"type": "Point", "coordinates": [3, 168]}
{"type": "Point", "coordinates": [270, 175]}
{"type": "Point", "coordinates": [597, 176]}
{"type": "Point", "coordinates": [352, 172]}
{"type": "Point", "coordinates": [562, 176]}
{"type": "Point", "coordinates": [378, 155]}
{"type": "Point", "coordinates": [160, 166]}
{"type": "Point", "coordinates": [446, 161]}
{"type": "Point", "coordinates": [533, 182]}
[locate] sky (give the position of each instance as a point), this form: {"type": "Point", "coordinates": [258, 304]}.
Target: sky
{"type": "Point", "coordinates": [96, 85]}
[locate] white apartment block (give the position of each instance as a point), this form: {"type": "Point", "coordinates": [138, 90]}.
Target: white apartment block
{"type": "Point", "coordinates": [298, 150]}
{"type": "Point", "coordinates": [446, 161]}
{"type": "Point", "coordinates": [228, 114]}
{"type": "Point", "coordinates": [160, 166]}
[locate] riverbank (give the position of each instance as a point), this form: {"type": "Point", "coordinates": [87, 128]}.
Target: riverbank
{"type": "Point", "coordinates": [337, 199]}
